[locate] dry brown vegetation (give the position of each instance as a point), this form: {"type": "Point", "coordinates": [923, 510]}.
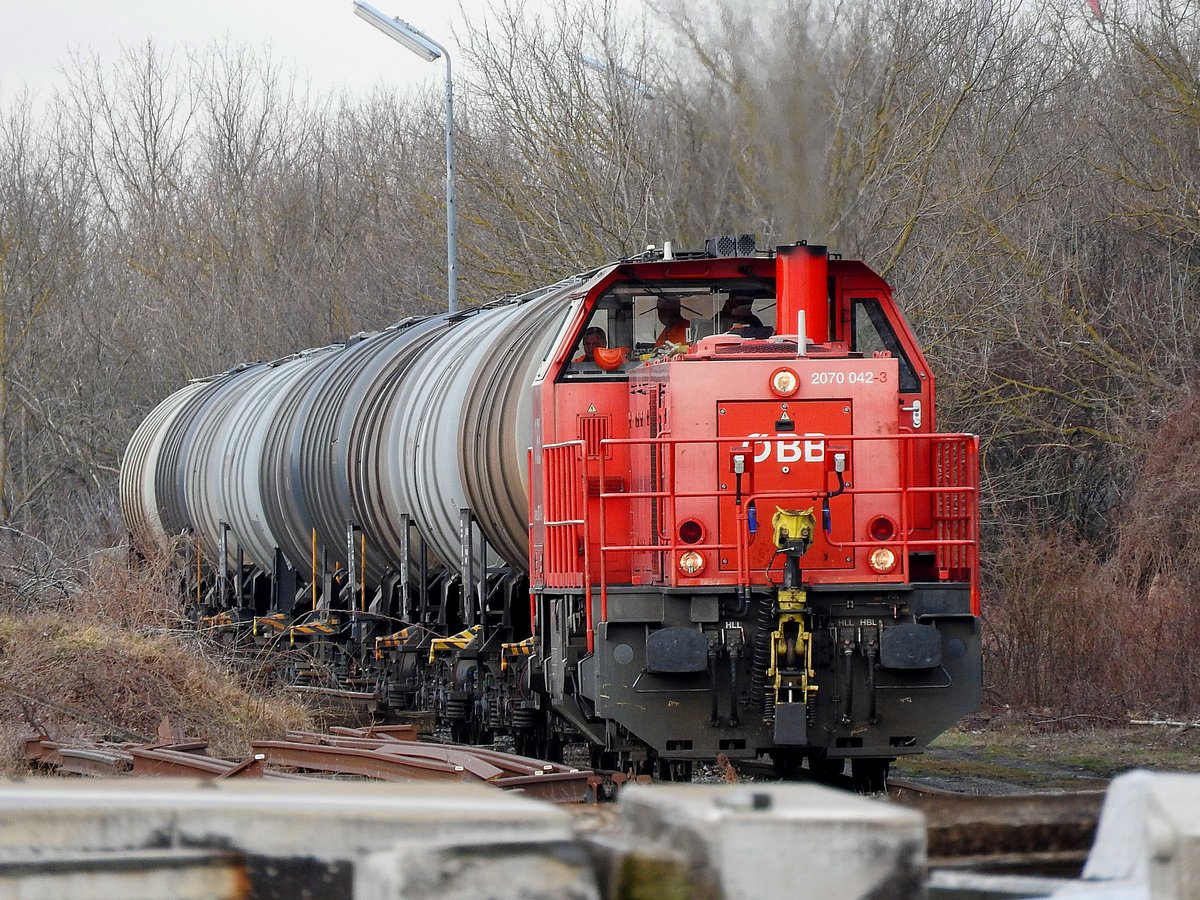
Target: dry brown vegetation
{"type": "Point", "coordinates": [1070, 630]}
{"type": "Point", "coordinates": [110, 656]}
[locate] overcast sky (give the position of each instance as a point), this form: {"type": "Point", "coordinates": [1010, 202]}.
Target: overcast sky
{"type": "Point", "coordinates": [322, 39]}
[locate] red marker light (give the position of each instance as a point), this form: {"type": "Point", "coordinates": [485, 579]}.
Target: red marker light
{"type": "Point", "coordinates": [881, 528]}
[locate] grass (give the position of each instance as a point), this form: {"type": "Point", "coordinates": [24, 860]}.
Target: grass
{"type": "Point", "coordinates": [1017, 751]}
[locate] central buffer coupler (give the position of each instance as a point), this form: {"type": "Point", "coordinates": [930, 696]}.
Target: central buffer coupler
{"type": "Point", "coordinates": [790, 676]}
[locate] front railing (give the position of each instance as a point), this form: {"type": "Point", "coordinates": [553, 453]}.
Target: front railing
{"type": "Point", "coordinates": [936, 498]}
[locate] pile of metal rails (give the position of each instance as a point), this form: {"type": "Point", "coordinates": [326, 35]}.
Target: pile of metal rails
{"type": "Point", "coordinates": [386, 753]}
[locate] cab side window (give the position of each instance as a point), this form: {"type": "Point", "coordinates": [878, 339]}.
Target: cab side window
{"type": "Point", "coordinates": [604, 349]}
{"type": "Point", "coordinates": [874, 333]}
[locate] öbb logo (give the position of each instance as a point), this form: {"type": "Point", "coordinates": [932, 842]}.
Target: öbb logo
{"type": "Point", "coordinates": [809, 448]}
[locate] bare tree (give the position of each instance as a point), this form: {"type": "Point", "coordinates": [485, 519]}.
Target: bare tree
{"type": "Point", "coordinates": [560, 163]}
{"type": "Point", "coordinates": [42, 264]}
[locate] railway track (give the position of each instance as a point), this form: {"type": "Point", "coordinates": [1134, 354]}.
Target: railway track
{"type": "Point", "coordinates": [1050, 833]}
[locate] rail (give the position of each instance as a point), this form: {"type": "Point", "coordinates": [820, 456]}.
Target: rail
{"type": "Point", "coordinates": [387, 753]}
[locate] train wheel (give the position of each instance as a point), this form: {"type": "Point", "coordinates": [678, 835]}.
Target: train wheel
{"type": "Point", "coordinates": [679, 770]}
{"type": "Point", "coordinates": [787, 763]}
{"type": "Point", "coordinates": [870, 775]}
{"type": "Point", "coordinates": [825, 769]}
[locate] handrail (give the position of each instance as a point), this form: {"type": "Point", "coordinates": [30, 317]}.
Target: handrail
{"type": "Point", "coordinates": [575, 530]}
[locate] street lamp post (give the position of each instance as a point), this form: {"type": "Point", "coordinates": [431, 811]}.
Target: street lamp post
{"type": "Point", "coordinates": [429, 50]}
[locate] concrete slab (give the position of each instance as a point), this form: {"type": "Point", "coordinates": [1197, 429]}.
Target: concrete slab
{"type": "Point", "coordinates": [324, 820]}
{"type": "Point", "coordinates": [179, 874]}
{"type": "Point", "coordinates": [294, 839]}
{"type": "Point", "coordinates": [1148, 840]}
{"type": "Point", "coordinates": [464, 870]}
{"type": "Point", "coordinates": [754, 841]}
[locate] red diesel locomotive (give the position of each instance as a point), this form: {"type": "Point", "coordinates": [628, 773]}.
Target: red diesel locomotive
{"type": "Point", "coordinates": [756, 541]}
{"type": "Point", "coordinates": [683, 505]}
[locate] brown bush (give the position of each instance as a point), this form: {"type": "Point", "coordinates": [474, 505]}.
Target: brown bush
{"type": "Point", "coordinates": [115, 657]}
{"type": "Point", "coordinates": [1155, 567]}
{"type": "Point", "coordinates": [1068, 631]}
{"type": "Point", "coordinates": [1048, 625]}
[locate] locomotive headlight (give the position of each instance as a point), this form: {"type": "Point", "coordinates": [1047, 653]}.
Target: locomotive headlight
{"type": "Point", "coordinates": [784, 382]}
{"type": "Point", "coordinates": [882, 560]}
{"type": "Point", "coordinates": [691, 563]}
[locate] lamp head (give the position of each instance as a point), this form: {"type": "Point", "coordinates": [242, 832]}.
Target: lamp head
{"type": "Point", "coordinates": [398, 30]}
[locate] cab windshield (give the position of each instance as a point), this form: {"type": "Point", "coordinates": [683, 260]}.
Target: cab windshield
{"type": "Point", "coordinates": [632, 323]}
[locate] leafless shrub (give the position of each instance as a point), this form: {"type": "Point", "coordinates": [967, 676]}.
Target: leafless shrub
{"type": "Point", "coordinates": [1069, 631]}
{"type": "Point", "coordinates": [101, 647]}
{"type": "Point", "coordinates": [141, 594]}
{"type": "Point", "coordinates": [1050, 625]}
{"type": "Point", "coordinates": [1154, 566]}
{"type": "Point", "coordinates": [66, 678]}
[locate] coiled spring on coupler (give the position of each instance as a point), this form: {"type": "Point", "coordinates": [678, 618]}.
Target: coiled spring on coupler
{"type": "Point", "coordinates": [761, 694]}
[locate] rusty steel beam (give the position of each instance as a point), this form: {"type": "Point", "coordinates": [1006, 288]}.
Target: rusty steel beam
{"type": "Point", "coordinates": [332, 740]}
{"type": "Point", "coordinates": [254, 765]}
{"type": "Point", "coordinates": [88, 761]}
{"type": "Point", "coordinates": [391, 748]}
{"type": "Point", "coordinates": [523, 765]}
{"type": "Point", "coordinates": [380, 753]}
{"type": "Point", "coordinates": [353, 761]}
{"type": "Point", "coordinates": [153, 762]}
{"type": "Point", "coordinates": [95, 760]}
{"type": "Point", "coordinates": [399, 732]}
{"type": "Point", "coordinates": [486, 763]}
{"type": "Point", "coordinates": [198, 747]}
{"type": "Point", "coordinates": [455, 756]}
{"type": "Point", "coordinates": [387, 732]}
{"type": "Point", "coordinates": [553, 787]}
{"type": "Point", "coordinates": [38, 748]}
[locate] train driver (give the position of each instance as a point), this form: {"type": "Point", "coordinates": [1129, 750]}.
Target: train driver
{"type": "Point", "coordinates": [593, 339]}
{"type": "Point", "coordinates": [675, 326]}
{"type": "Point", "coordinates": [738, 316]}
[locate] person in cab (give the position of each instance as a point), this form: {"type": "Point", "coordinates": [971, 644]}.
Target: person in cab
{"type": "Point", "coordinates": [594, 339]}
{"type": "Point", "coordinates": [675, 326]}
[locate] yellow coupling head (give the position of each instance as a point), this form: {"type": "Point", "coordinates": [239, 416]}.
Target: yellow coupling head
{"type": "Point", "coordinates": [794, 529]}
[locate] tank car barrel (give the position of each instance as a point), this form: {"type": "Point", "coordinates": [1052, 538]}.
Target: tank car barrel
{"type": "Point", "coordinates": [139, 497]}
{"type": "Point", "coordinates": [414, 422]}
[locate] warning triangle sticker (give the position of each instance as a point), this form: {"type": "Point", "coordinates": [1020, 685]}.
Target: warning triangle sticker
{"type": "Point", "coordinates": [591, 407]}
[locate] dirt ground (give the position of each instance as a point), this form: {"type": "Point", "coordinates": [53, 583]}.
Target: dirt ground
{"type": "Point", "coordinates": [1009, 755]}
